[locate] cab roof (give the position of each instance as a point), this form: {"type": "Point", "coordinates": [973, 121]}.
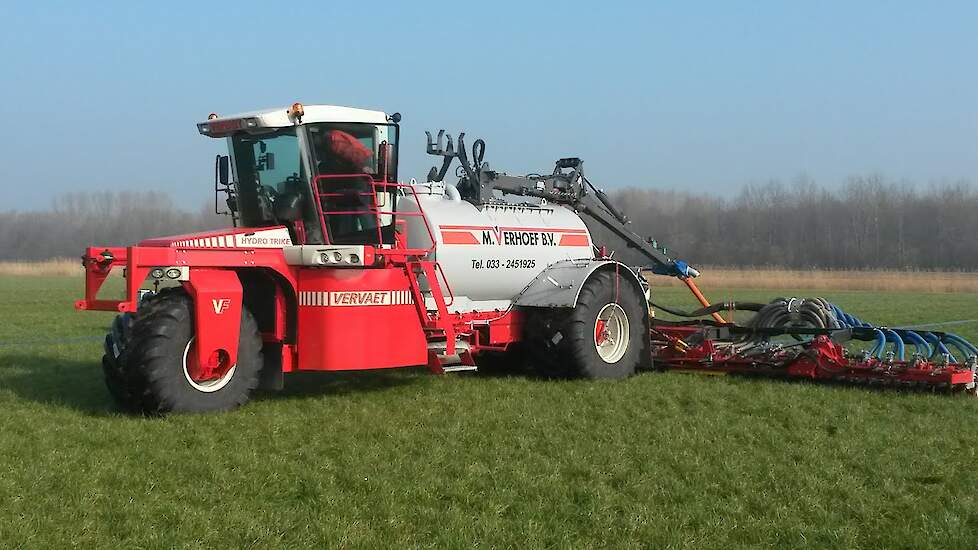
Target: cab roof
{"type": "Point", "coordinates": [222, 126]}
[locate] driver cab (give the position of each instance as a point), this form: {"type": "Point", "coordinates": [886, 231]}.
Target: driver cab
{"type": "Point", "coordinates": [327, 182]}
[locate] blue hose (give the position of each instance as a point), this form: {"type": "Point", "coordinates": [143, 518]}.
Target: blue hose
{"type": "Point", "coordinates": [957, 345]}
{"type": "Point", "coordinates": [880, 342]}
{"type": "Point", "coordinates": [972, 347]}
{"type": "Point", "coordinates": [846, 320]}
{"type": "Point", "coordinates": [939, 347]}
{"type": "Point", "coordinates": [926, 344]}
{"type": "Point", "coordinates": [921, 345]}
{"type": "Point", "coordinates": [895, 338]}
{"type": "Point", "coordinates": [964, 346]}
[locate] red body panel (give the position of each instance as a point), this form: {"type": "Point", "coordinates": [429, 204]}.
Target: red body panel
{"type": "Point", "coordinates": [358, 319]}
{"type": "Point", "coordinates": [181, 241]}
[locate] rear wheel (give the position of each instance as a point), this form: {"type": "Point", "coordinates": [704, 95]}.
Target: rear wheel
{"type": "Point", "coordinates": [156, 370]}
{"type": "Point", "coordinates": [607, 332]}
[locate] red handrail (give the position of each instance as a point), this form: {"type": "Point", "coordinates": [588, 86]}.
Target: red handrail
{"type": "Point", "coordinates": [448, 287]}
{"type": "Point", "coordinates": [372, 209]}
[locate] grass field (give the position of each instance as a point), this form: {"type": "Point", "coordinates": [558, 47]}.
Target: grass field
{"type": "Point", "coordinates": [406, 459]}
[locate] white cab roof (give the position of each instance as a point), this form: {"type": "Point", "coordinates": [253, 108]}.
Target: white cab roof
{"type": "Point", "coordinates": [279, 118]}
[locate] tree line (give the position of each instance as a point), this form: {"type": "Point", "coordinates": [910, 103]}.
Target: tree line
{"type": "Point", "coordinates": [866, 223]}
{"type": "Point", "coordinates": [97, 218]}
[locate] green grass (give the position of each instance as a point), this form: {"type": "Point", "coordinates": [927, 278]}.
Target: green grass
{"type": "Point", "coordinates": [406, 459]}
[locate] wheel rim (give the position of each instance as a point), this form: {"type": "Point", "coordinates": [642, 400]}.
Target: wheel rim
{"type": "Point", "coordinates": [208, 385]}
{"type": "Point", "coordinates": [611, 333]}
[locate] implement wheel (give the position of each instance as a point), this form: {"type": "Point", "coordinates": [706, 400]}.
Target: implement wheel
{"type": "Point", "coordinates": [150, 367]}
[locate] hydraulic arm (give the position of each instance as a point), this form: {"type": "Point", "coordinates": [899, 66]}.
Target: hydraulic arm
{"type": "Point", "coordinates": [567, 185]}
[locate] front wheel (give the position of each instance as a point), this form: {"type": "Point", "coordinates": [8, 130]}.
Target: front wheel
{"type": "Point", "coordinates": [156, 371]}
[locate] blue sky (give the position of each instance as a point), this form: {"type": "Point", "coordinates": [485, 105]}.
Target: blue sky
{"type": "Point", "coordinates": [694, 95]}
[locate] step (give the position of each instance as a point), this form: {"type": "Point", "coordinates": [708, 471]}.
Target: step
{"type": "Point", "coordinates": [460, 368]}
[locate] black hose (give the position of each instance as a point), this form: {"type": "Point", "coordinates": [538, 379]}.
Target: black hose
{"type": "Point", "coordinates": [720, 306]}
{"type": "Point", "coordinates": [698, 322]}
{"type": "Point", "coordinates": [785, 313]}
{"type": "Point", "coordinates": [478, 153]}
{"type": "Point", "coordinates": [463, 159]}
{"type": "Point", "coordinates": [606, 201]}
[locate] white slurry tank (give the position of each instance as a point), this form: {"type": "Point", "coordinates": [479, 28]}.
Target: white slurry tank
{"type": "Point", "coordinates": [492, 252]}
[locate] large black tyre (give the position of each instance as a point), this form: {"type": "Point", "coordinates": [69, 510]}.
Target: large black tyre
{"type": "Point", "coordinates": [606, 334]}
{"type": "Point", "coordinates": [115, 342]}
{"type": "Point", "coordinates": [149, 373]}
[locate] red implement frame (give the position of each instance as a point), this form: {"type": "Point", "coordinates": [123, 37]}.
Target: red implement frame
{"type": "Point", "coordinates": [694, 347]}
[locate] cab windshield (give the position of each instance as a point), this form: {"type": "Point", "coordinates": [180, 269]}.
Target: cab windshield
{"type": "Point", "coordinates": [266, 165]}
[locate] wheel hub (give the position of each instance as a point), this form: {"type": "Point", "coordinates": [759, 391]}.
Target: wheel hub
{"type": "Point", "coordinates": [210, 377]}
{"type": "Point", "coordinates": [611, 333]}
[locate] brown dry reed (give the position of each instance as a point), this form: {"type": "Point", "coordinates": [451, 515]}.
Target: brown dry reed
{"type": "Point", "coordinates": [815, 279]}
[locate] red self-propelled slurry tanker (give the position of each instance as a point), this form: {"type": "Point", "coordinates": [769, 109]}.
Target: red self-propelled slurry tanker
{"type": "Point", "coordinates": [333, 264]}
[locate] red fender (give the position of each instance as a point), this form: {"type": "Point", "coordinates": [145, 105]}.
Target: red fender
{"type": "Point", "coordinates": [217, 317]}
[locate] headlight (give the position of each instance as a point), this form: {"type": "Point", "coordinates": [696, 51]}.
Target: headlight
{"type": "Point", "coordinates": [173, 273]}
{"type": "Point", "coordinates": [354, 259]}
{"type": "Point", "coordinates": [337, 256]}
{"type": "Point", "coordinates": [156, 273]}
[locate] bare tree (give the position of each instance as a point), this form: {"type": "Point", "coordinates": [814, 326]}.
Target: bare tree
{"type": "Point", "coordinates": [867, 223]}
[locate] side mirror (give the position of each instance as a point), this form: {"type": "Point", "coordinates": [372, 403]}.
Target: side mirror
{"type": "Point", "coordinates": [223, 169]}
{"type": "Point", "coordinates": [222, 183]}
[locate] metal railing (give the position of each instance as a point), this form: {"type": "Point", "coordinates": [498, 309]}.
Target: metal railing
{"type": "Point", "coordinates": [321, 185]}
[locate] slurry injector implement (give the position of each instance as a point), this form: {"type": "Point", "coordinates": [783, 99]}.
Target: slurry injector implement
{"type": "Point", "coordinates": [333, 264]}
{"type": "Point", "coordinates": [806, 338]}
